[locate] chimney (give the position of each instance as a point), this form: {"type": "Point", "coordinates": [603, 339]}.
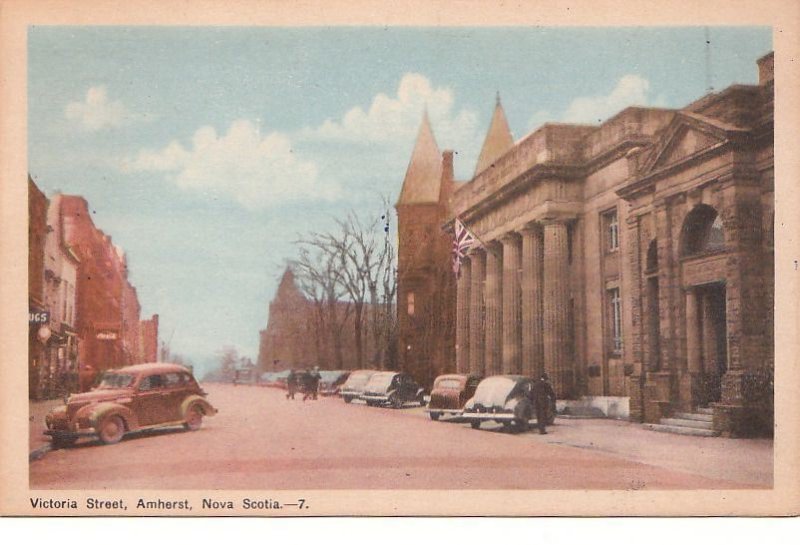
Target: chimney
{"type": "Point", "coordinates": [766, 68]}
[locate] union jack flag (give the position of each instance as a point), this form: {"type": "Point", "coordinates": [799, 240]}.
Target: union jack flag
{"type": "Point", "coordinates": [463, 241]}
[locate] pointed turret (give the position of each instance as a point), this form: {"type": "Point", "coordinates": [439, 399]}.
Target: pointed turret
{"type": "Point", "coordinates": [498, 139]}
{"type": "Point", "coordinates": [424, 173]}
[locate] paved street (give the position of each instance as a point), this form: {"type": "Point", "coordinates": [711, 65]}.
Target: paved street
{"type": "Point", "coordinates": [259, 440]}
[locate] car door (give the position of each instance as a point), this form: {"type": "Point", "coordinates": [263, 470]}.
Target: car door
{"type": "Point", "coordinates": [175, 388]}
{"type": "Point", "coordinates": [150, 401]}
{"type": "Point", "coordinates": [408, 388]}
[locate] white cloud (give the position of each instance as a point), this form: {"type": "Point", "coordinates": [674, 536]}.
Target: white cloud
{"type": "Point", "coordinates": [254, 170]}
{"type": "Point", "coordinates": [390, 124]}
{"type": "Point", "coordinates": [97, 111]}
{"type": "Point", "coordinates": [631, 90]}
{"type": "Point", "coordinates": [393, 119]}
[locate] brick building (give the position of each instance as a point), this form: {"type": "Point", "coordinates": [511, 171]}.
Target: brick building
{"type": "Point", "coordinates": [426, 288]}
{"type": "Point", "coordinates": [148, 339]}
{"type": "Point", "coordinates": [296, 338]}
{"type": "Point", "coordinates": [630, 259]}
{"type": "Point", "coordinates": [38, 318]}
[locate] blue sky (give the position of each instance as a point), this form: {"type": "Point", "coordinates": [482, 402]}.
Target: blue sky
{"type": "Point", "coordinates": [205, 152]}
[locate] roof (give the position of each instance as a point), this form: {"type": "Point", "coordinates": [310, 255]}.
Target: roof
{"type": "Point", "coordinates": [498, 139]}
{"type": "Point", "coordinates": [155, 367]}
{"type": "Point", "coordinates": [424, 173]}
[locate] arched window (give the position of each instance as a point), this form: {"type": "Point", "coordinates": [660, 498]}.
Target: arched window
{"type": "Point", "coordinates": [702, 231]}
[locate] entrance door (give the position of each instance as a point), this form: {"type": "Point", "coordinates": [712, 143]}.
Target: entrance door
{"type": "Point", "coordinates": [715, 339]}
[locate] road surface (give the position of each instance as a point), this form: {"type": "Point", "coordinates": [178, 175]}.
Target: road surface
{"type": "Point", "coordinates": [259, 440]}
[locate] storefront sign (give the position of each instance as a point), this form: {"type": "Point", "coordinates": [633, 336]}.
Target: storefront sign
{"type": "Point", "coordinates": [106, 336]}
{"type": "Point", "coordinates": [42, 317]}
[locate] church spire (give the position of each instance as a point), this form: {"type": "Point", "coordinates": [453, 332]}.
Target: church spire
{"type": "Point", "coordinates": [498, 139]}
{"type": "Point", "coordinates": [423, 176]}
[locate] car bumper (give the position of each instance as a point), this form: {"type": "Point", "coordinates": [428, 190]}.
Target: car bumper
{"type": "Point", "coordinates": [488, 416]}
{"type": "Point", "coordinates": [68, 434]}
{"type": "Point", "coordinates": [375, 397]}
{"type": "Point", "coordinates": [444, 411]}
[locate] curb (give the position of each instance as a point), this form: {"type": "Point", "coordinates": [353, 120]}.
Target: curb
{"type": "Point", "coordinates": [38, 454]}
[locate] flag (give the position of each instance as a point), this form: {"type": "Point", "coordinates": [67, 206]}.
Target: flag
{"type": "Point", "coordinates": [463, 241]}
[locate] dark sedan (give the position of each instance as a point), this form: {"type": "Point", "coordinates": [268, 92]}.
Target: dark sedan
{"type": "Point", "coordinates": [506, 399]}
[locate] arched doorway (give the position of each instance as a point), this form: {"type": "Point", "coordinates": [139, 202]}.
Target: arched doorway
{"type": "Point", "coordinates": [702, 252]}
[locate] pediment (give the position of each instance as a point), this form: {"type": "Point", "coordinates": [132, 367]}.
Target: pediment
{"type": "Point", "coordinates": [685, 137]}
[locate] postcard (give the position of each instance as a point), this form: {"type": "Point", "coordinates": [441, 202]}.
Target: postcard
{"type": "Point", "coordinates": [469, 259]}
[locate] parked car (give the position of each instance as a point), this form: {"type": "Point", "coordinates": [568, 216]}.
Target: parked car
{"type": "Point", "coordinates": [393, 389]}
{"type": "Point", "coordinates": [331, 382]}
{"type": "Point", "coordinates": [450, 393]}
{"type": "Point", "coordinates": [353, 387]}
{"type": "Point", "coordinates": [506, 399]}
{"type": "Point", "coordinates": [137, 397]}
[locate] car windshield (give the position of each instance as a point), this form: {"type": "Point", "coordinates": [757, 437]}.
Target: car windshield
{"type": "Point", "coordinates": [449, 383]}
{"type": "Point", "coordinates": [116, 380]}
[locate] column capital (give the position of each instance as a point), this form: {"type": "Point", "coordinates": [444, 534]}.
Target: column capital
{"type": "Point", "coordinates": [511, 237]}
{"type": "Point", "coordinates": [533, 228]}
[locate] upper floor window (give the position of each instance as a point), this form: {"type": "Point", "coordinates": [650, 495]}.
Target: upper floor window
{"type": "Point", "coordinates": [615, 320]}
{"type": "Point", "coordinates": [410, 302]}
{"type": "Point", "coordinates": [611, 229]}
{"type": "Point", "coordinates": [702, 231]}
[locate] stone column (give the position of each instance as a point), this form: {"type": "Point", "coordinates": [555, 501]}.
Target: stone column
{"type": "Point", "coordinates": [494, 310]}
{"type": "Point", "coordinates": [477, 275]}
{"type": "Point", "coordinates": [555, 315]}
{"type": "Point", "coordinates": [512, 317]}
{"type": "Point", "coordinates": [709, 336]}
{"type": "Point", "coordinates": [532, 277]}
{"type": "Point", "coordinates": [463, 318]}
{"type": "Point", "coordinates": [693, 340]}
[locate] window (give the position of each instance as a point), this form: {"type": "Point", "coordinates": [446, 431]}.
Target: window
{"type": "Point", "coordinates": [611, 228]}
{"type": "Point", "coordinates": [702, 231]}
{"type": "Point", "coordinates": [615, 320]}
{"type": "Point", "coordinates": [410, 300]}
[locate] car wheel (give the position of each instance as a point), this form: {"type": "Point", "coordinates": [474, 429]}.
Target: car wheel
{"type": "Point", "coordinates": [395, 401]}
{"type": "Point", "coordinates": [194, 419]}
{"type": "Point", "coordinates": [347, 399]}
{"type": "Point", "coordinates": [421, 400]}
{"type": "Point", "coordinates": [111, 430]}
{"type": "Point", "coordinates": [434, 416]}
{"type": "Point", "coordinates": [475, 424]}
{"type": "Point", "coordinates": [521, 424]}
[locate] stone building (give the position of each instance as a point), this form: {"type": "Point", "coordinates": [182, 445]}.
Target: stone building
{"type": "Point", "coordinates": [426, 287]}
{"type": "Point", "coordinates": [630, 259]}
{"type": "Point", "coordinates": [60, 275]}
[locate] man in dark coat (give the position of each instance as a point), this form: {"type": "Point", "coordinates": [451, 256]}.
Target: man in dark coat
{"type": "Point", "coordinates": [291, 384]}
{"type": "Point", "coordinates": [543, 397]}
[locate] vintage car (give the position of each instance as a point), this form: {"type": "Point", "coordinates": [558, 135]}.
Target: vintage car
{"type": "Point", "coordinates": [138, 397]}
{"type": "Point", "coordinates": [506, 399]}
{"type": "Point", "coordinates": [393, 389]}
{"type": "Point", "coordinates": [355, 383]}
{"type": "Point", "coordinates": [449, 394]}
{"type": "Point", "coordinates": [331, 381]}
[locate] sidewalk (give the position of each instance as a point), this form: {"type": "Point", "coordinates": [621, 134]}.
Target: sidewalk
{"type": "Point", "coordinates": [37, 410]}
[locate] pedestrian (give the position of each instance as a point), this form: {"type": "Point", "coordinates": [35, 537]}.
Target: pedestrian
{"type": "Point", "coordinates": [543, 398]}
{"type": "Point", "coordinates": [291, 384]}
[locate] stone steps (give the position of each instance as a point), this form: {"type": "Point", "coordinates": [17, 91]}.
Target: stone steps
{"type": "Point", "coordinates": [681, 430]}
{"type": "Point", "coordinates": [699, 424]}
{"type": "Point", "coordinates": [688, 423]}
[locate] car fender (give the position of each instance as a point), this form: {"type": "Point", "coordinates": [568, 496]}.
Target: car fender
{"type": "Point", "coordinates": [99, 411]}
{"type": "Point", "coordinates": [205, 406]}
{"type": "Point", "coordinates": [521, 406]}
{"type": "Point", "coordinates": [420, 392]}
{"type": "Point", "coordinates": [470, 404]}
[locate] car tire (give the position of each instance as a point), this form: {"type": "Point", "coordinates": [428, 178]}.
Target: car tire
{"type": "Point", "coordinates": [347, 399]}
{"type": "Point", "coordinates": [111, 430]}
{"type": "Point", "coordinates": [395, 401]}
{"type": "Point", "coordinates": [521, 425]}
{"type": "Point", "coordinates": [194, 418]}
{"type": "Point", "coordinates": [475, 424]}
{"type": "Point", "coordinates": [434, 416]}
